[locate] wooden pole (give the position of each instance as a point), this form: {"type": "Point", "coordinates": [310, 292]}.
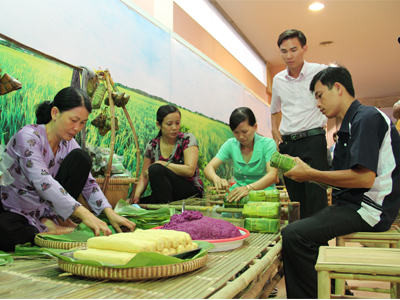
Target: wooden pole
{"type": "Point", "coordinates": [243, 281]}
{"type": "Point", "coordinates": [112, 144]}
{"type": "Point", "coordinates": [258, 287]}
{"type": "Point", "coordinates": [200, 208]}
{"type": "Point", "coordinates": [137, 152]}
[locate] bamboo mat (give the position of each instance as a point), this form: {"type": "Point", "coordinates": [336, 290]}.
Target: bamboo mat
{"type": "Point", "coordinates": [42, 278]}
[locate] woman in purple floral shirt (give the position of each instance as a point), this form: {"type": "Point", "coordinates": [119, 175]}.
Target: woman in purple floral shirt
{"type": "Point", "coordinates": [170, 162]}
{"type": "Point", "coordinates": [51, 172]}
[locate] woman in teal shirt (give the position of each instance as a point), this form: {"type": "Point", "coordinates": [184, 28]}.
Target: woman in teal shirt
{"type": "Point", "coordinates": [250, 153]}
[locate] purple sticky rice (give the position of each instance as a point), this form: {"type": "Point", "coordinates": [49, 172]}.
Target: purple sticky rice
{"type": "Point", "coordinates": [202, 228]}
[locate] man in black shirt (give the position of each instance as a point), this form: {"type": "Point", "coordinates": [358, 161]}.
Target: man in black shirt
{"type": "Point", "coordinates": [364, 169]}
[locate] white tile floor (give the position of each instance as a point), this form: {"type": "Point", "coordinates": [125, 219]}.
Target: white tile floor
{"type": "Point", "coordinates": [360, 294]}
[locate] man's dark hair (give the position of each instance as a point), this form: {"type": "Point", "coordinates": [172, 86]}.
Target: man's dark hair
{"type": "Point", "coordinates": [292, 33]}
{"type": "Point", "coordinates": [331, 75]}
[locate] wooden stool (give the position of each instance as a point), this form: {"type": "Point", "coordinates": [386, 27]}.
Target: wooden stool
{"type": "Point", "coordinates": [357, 263]}
{"type": "Point", "coordinates": [390, 237]}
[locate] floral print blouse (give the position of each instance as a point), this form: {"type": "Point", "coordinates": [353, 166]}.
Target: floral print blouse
{"type": "Point", "coordinates": [183, 141]}
{"type": "Point", "coordinates": [35, 193]}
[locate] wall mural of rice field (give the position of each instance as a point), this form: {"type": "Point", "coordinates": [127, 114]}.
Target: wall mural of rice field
{"type": "Point", "coordinates": [147, 62]}
{"type": "Point", "coordinates": [42, 79]}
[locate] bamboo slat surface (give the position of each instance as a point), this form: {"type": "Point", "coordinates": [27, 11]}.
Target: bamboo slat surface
{"type": "Point", "coordinates": [42, 278]}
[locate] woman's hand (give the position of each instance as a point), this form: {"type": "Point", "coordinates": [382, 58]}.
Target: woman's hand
{"type": "Point", "coordinates": [117, 221]}
{"type": "Point", "coordinates": [220, 184]}
{"type": "Point", "coordinates": [237, 194]}
{"type": "Point", "coordinates": [91, 221]}
{"type": "Point", "coordinates": [136, 200]}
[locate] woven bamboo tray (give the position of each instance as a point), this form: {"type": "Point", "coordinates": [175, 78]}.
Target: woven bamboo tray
{"type": "Point", "coordinates": [41, 242]}
{"type": "Point", "coordinates": [133, 274]}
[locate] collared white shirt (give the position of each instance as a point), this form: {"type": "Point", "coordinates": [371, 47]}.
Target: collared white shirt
{"type": "Point", "coordinates": [293, 98]}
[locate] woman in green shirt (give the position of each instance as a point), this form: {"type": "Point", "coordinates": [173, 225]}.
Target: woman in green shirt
{"type": "Point", "coordinates": [250, 153]}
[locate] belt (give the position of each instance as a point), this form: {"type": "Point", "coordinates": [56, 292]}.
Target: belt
{"type": "Point", "coordinates": [303, 134]}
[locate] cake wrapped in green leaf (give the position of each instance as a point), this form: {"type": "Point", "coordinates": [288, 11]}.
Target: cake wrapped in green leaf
{"type": "Point", "coordinates": [272, 195]}
{"type": "Point", "coordinates": [269, 210]}
{"type": "Point", "coordinates": [282, 162]}
{"type": "Point", "coordinates": [262, 225]}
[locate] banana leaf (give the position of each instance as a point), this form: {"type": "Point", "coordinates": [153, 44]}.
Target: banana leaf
{"type": "Point", "coordinates": [5, 258]}
{"type": "Point", "coordinates": [256, 196]}
{"type": "Point", "coordinates": [282, 162]}
{"type": "Point", "coordinates": [142, 259]}
{"type": "Point", "coordinates": [272, 195]}
{"type": "Point", "coordinates": [262, 225]}
{"type": "Point", "coordinates": [236, 204]}
{"type": "Point", "coordinates": [269, 210]}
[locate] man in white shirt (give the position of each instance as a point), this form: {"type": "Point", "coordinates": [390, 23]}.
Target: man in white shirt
{"type": "Point", "coordinates": [297, 123]}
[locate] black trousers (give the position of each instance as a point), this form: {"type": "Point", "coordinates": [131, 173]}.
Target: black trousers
{"type": "Point", "coordinates": [301, 242]}
{"type": "Point", "coordinates": [72, 175]}
{"type": "Point", "coordinates": [313, 151]}
{"type": "Point", "coordinates": [166, 186]}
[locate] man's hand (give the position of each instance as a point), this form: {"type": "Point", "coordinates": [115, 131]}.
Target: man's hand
{"type": "Point", "coordinates": [300, 172]}
{"type": "Point", "coordinates": [276, 135]}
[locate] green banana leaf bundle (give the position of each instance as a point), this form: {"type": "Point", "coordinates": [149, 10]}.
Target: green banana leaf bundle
{"type": "Point", "coordinates": [282, 162]}
{"type": "Point", "coordinates": [236, 204]}
{"type": "Point", "coordinates": [257, 196]}
{"type": "Point", "coordinates": [272, 195]}
{"type": "Point", "coordinates": [98, 95]}
{"type": "Point", "coordinates": [142, 259]}
{"type": "Point", "coordinates": [269, 210]}
{"type": "Point", "coordinates": [262, 225]}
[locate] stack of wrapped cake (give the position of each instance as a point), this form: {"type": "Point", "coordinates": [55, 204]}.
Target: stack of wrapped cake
{"type": "Point", "coordinates": [120, 248]}
{"type": "Point", "coordinates": [262, 213]}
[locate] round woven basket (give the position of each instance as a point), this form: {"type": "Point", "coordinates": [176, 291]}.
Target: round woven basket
{"type": "Point", "coordinates": [139, 273]}
{"type": "Point", "coordinates": [117, 188]}
{"type": "Point", "coordinates": [42, 242]}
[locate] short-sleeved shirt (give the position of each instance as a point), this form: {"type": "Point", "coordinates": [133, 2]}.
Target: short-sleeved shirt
{"type": "Point", "coordinates": [247, 173]}
{"type": "Point", "coordinates": [293, 98]}
{"type": "Point", "coordinates": [183, 141]}
{"type": "Point", "coordinates": [368, 138]}
{"type": "Point", "coordinates": [35, 194]}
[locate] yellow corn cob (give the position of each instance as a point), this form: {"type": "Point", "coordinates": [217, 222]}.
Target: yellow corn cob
{"type": "Point", "coordinates": [184, 237]}
{"type": "Point", "coordinates": [180, 249]}
{"type": "Point", "coordinates": [106, 256]}
{"type": "Point", "coordinates": [169, 241]}
{"type": "Point", "coordinates": [121, 244]}
{"type": "Point", "coordinates": [160, 243]}
{"type": "Point", "coordinates": [165, 251]}
{"type": "Point", "coordinates": [172, 251]}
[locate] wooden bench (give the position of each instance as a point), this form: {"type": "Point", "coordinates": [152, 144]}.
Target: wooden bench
{"type": "Point", "coordinates": [357, 263]}
{"type": "Point", "coordinates": [390, 238]}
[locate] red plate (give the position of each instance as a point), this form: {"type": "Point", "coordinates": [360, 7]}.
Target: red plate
{"type": "Point", "coordinates": [244, 236]}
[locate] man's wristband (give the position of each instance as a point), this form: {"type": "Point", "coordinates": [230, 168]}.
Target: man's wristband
{"type": "Point", "coordinates": [166, 164]}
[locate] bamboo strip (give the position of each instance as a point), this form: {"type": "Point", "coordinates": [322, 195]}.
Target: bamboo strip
{"type": "Point", "coordinates": [267, 291]}
{"type": "Point", "coordinates": [367, 289]}
{"type": "Point", "coordinates": [257, 288]}
{"type": "Point", "coordinates": [380, 277]}
{"type": "Point", "coordinates": [242, 281]}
